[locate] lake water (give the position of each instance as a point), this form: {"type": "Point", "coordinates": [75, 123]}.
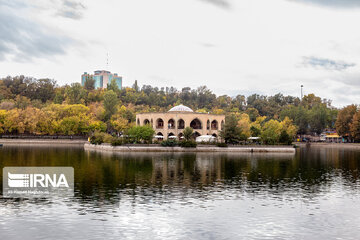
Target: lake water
{"type": "Point", "coordinates": [314, 194]}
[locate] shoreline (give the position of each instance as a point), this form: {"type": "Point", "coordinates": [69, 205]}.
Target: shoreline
{"type": "Point", "coordinates": [329, 145]}
{"type": "Point", "coordinates": [42, 142]}
{"type": "Point", "coordinates": [157, 148]}
{"type": "Point", "coordinates": [210, 149]}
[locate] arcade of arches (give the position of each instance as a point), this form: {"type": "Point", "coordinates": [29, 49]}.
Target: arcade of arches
{"type": "Point", "coordinates": [172, 123]}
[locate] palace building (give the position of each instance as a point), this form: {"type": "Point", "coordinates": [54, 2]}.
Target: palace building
{"type": "Point", "coordinates": [173, 122]}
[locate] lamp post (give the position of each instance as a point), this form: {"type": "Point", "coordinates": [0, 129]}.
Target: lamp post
{"type": "Point", "coordinates": [302, 91]}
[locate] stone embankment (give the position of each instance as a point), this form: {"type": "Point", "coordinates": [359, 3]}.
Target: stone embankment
{"type": "Point", "coordinates": [42, 142]}
{"type": "Point", "coordinates": [204, 148]}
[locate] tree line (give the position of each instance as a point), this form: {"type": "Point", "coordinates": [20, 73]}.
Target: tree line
{"type": "Point", "coordinates": [114, 109]}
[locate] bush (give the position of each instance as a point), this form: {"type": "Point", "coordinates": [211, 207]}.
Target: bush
{"type": "Point", "coordinates": [188, 144]}
{"type": "Point", "coordinates": [99, 137]}
{"type": "Point", "coordinates": [108, 138]}
{"type": "Point", "coordinates": [207, 143]}
{"type": "Point", "coordinates": [169, 143]}
{"type": "Point", "coordinates": [188, 132]}
{"type": "Point", "coordinates": [116, 141]}
{"type": "Point", "coordinates": [221, 144]}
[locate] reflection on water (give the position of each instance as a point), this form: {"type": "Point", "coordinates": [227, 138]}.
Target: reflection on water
{"type": "Point", "coordinates": [312, 194]}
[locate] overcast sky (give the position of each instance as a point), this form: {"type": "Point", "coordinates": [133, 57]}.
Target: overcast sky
{"type": "Point", "coordinates": [233, 47]}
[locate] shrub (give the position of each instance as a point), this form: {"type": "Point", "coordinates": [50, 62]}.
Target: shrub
{"type": "Point", "coordinates": [116, 141]}
{"type": "Point", "coordinates": [108, 138]}
{"type": "Point", "coordinates": [221, 144]}
{"type": "Point", "coordinates": [207, 143]}
{"type": "Point", "coordinates": [188, 144]}
{"type": "Point", "coordinates": [169, 143]}
{"type": "Point", "coordinates": [97, 138]}
{"type": "Point", "coordinates": [100, 137]}
{"type": "Point", "coordinates": [188, 131]}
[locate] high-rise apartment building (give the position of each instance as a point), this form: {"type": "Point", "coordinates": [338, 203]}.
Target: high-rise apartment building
{"type": "Point", "coordinates": [102, 78]}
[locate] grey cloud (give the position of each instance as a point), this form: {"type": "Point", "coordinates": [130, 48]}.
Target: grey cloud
{"type": "Point", "coordinates": [332, 3]}
{"type": "Point", "coordinates": [25, 39]}
{"type": "Point", "coordinates": [219, 3]}
{"type": "Point", "coordinates": [13, 4]}
{"type": "Point", "coordinates": [71, 9]}
{"type": "Point", "coordinates": [350, 79]}
{"type": "Point", "coordinates": [325, 63]}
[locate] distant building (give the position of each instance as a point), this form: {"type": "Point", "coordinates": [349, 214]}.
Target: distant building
{"type": "Point", "coordinates": [102, 78]}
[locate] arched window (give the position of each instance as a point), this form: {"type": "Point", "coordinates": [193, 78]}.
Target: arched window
{"type": "Point", "coordinates": [146, 121]}
{"type": "Point", "coordinates": [159, 123]}
{"type": "Point", "coordinates": [181, 136]}
{"type": "Point", "coordinates": [196, 134]}
{"type": "Point", "coordinates": [208, 125]}
{"type": "Point", "coordinates": [214, 125]}
{"type": "Point", "coordinates": [222, 125]}
{"type": "Point", "coordinates": [171, 124]}
{"type": "Point", "coordinates": [195, 124]}
{"type": "Point", "coordinates": [138, 122]}
{"type": "Point", "coordinates": [181, 124]}
{"type": "Point", "coordinates": [159, 136]}
{"type": "Point", "coordinates": [171, 136]}
{"type": "Point", "coordinates": [214, 135]}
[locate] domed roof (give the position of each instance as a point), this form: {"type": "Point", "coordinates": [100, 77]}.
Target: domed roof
{"type": "Point", "coordinates": [181, 108]}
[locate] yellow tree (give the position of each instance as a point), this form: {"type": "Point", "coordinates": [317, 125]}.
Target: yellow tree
{"type": "Point", "coordinates": [30, 119]}
{"type": "Point", "coordinates": [218, 111]}
{"type": "Point", "coordinates": [119, 123]}
{"type": "Point", "coordinates": [13, 123]}
{"type": "Point", "coordinates": [289, 127]}
{"type": "Point", "coordinates": [271, 132]}
{"type": "Point", "coordinates": [3, 115]}
{"type": "Point", "coordinates": [244, 125]}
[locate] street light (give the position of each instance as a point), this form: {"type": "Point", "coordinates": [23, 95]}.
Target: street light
{"type": "Point", "coordinates": [302, 91]}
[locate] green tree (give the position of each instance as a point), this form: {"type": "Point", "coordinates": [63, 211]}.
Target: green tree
{"type": "Point", "coordinates": [319, 117]}
{"type": "Point", "coordinates": [113, 86]}
{"type": "Point", "coordinates": [22, 102]}
{"type": "Point", "coordinates": [75, 94]}
{"type": "Point", "coordinates": [188, 131]}
{"type": "Point", "coordinates": [231, 132]}
{"type": "Point", "coordinates": [135, 86]}
{"type": "Point", "coordinates": [42, 89]}
{"type": "Point", "coordinates": [141, 133]}
{"type": "Point", "coordinates": [110, 103]}
{"type": "Point", "coordinates": [309, 101]}
{"type": "Point", "coordinates": [253, 113]}
{"type": "Point", "coordinates": [284, 138]}
{"type": "Point", "coordinates": [255, 131]}
{"type": "Point", "coordinates": [89, 83]}
{"type": "Point", "coordinates": [299, 115]}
